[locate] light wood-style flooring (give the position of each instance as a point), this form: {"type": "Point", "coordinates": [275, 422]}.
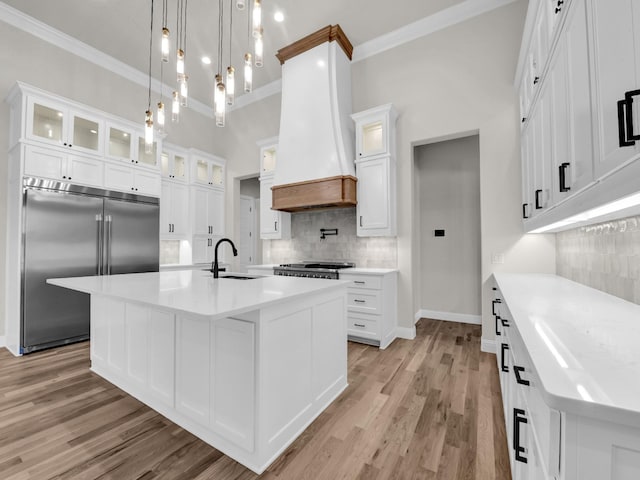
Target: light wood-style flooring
{"type": "Point", "coordinates": [423, 409]}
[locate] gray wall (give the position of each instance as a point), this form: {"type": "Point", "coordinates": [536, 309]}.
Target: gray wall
{"type": "Point", "coordinates": [250, 187]}
{"type": "Point", "coordinates": [305, 242]}
{"type": "Point", "coordinates": [448, 176]}
{"type": "Point", "coordinates": [605, 256]}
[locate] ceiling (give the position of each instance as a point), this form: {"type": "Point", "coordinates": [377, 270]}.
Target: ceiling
{"type": "Point", "coordinates": [120, 28]}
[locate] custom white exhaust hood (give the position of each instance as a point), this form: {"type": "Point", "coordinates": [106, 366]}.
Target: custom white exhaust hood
{"type": "Point", "coordinates": [315, 167]}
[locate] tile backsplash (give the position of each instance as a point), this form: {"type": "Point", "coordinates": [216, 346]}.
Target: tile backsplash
{"type": "Point", "coordinates": [305, 242]}
{"type": "Point", "coordinates": [605, 256]}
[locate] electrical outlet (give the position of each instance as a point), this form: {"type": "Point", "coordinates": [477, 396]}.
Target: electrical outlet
{"type": "Point", "coordinates": [497, 258]}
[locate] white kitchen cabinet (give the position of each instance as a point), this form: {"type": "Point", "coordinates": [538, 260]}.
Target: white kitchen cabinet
{"type": "Point", "coordinates": [132, 179]}
{"type": "Point", "coordinates": [59, 165]}
{"type": "Point", "coordinates": [206, 169]}
{"type": "Point", "coordinates": [207, 207]}
{"type": "Point", "coordinates": [56, 123]}
{"type": "Point", "coordinates": [174, 163]}
{"type": "Point", "coordinates": [268, 156]}
{"type": "Point", "coordinates": [125, 143]}
{"type": "Point", "coordinates": [203, 249]}
{"type": "Point", "coordinates": [615, 41]}
{"type": "Point", "coordinates": [526, 145]}
{"type": "Point", "coordinates": [375, 131]}
{"type": "Point", "coordinates": [174, 209]}
{"type": "Point", "coordinates": [376, 187]}
{"type": "Point", "coordinates": [371, 306]}
{"type": "Point", "coordinates": [541, 148]}
{"type": "Point", "coordinates": [274, 224]}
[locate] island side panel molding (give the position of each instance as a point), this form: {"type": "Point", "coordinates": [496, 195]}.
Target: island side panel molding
{"type": "Point", "coordinates": [328, 328]}
{"type": "Point", "coordinates": [161, 356]}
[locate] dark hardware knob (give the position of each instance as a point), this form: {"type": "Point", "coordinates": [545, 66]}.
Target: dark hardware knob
{"type": "Point", "coordinates": [68, 178]}
{"type": "Point", "coordinates": [494, 288]}
{"type": "Point", "coordinates": [70, 145]}
{"type": "Point", "coordinates": [65, 144]}
{"type": "Point", "coordinates": [524, 119]}
{"type": "Point", "coordinates": [64, 176]}
{"type": "Point", "coordinates": [519, 379]}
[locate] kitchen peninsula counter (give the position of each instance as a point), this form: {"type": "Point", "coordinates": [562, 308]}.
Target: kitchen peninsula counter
{"type": "Point", "coordinates": [245, 365]}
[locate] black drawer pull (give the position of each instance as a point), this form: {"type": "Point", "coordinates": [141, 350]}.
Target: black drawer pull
{"type": "Point", "coordinates": [536, 80]}
{"type": "Point", "coordinates": [359, 325]}
{"type": "Point", "coordinates": [359, 282]}
{"type": "Point", "coordinates": [518, 418]}
{"type": "Point", "coordinates": [538, 204]}
{"type": "Point", "coordinates": [359, 301]}
{"type": "Point", "coordinates": [562, 170]}
{"type": "Point", "coordinates": [493, 305]}
{"type": "Point", "coordinates": [525, 210]}
{"type": "Point", "coordinates": [519, 379]}
{"type": "Point", "coordinates": [505, 322]}
{"type": "Point", "coordinates": [497, 331]}
{"type": "Point", "coordinates": [503, 348]}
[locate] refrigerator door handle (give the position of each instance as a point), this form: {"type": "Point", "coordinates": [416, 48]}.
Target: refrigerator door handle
{"type": "Point", "coordinates": [99, 243]}
{"type": "Point", "coordinates": [108, 220]}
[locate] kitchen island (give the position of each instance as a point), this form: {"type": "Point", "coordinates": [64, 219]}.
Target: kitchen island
{"type": "Point", "coordinates": [245, 365]}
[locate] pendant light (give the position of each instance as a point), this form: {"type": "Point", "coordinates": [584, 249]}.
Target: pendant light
{"type": "Point", "coordinates": [248, 73]}
{"type": "Point", "coordinates": [231, 77]}
{"type": "Point", "coordinates": [258, 49]}
{"type": "Point", "coordinates": [160, 116]}
{"type": "Point", "coordinates": [148, 121]}
{"type": "Point", "coordinates": [257, 18]}
{"type": "Point", "coordinates": [219, 98]}
{"type": "Point", "coordinates": [184, 90]}
{"type": "Point", "coordinates": [165, 44]}
{"type": "Point", "coordinates": [175, 107]}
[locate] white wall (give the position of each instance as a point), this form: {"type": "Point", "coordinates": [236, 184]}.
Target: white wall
{"type": "Point", "coordinates": [448, 184]}
{"type": "Point", "coordinates": [459, 80]}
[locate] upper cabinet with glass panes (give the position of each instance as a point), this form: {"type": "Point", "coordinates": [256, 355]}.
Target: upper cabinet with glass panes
{"type": "Point", "coordinates": [61, 125]}
{"type": "Point", "coordinates": [206, 169]}
{"type": "Point", "coordinates": [375, 131]}
{"type": "Point", "coordinates": [173, 163]}
{"type": "Point", "coordinates": [127, 144]}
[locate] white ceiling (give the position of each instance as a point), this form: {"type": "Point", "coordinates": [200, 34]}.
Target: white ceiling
{"type": "Point", "coordinates": [120, 28]}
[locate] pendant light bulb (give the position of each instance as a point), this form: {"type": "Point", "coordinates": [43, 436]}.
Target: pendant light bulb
{"type": "Point", "coordinates": [258, 49]}
{"type": "Point", "coordinates": [248, 73]}
{"type": "Point", "coordinates": [220, 102]}
{"type": "Point", "coordinates": [257, 17]}
{"type": "Point", "coordinates": [231, 85]}
{"type": "Point", "coordinates": [180, 63]}
{"type": "Point", "coordinates": [240, 4]}
{"type": "Point", "coordinates": [160, 116]}
{"type": "Point", "coordinates": [165, 44]}
{"type": "Point", "coordinates": [175, 108]}
{"type": "Point", "coordinates": [184, 90]}
{"type": "Point", "coordinates": [148, 132]}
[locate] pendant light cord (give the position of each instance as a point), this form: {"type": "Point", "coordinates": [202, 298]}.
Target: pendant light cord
{"type": "Point", "coordinates": [150, 52]}
{"type": "Point", "coordinates": [230, 27]}
{"type": "Point", "coordinates": [220, 34]}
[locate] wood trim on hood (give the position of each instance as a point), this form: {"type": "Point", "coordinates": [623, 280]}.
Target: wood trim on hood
{"type": "Point", "coordinates": [326, 34]}
{"type": "Point", "coordinates": [330, 192]}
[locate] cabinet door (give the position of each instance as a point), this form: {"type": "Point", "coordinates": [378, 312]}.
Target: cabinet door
{"type": "Point", "coordinates": [136, 336]}
{"type": "Point", "coordinates": [180, 209]}
{"type": "Point", "coordinates": [373, 195]}
{"type": "Point", "coordinates": [371, 136]}
{"type": "Point", "coordinates": [46, 121]}
{"type": "Point", "coordinates": [45, 163]}
{"type": "Point", "coordinates": [202, 250]}
{"type": "Point", "coordinates": [527, 182]}
{"type": "Point", "coordinates": [616, 27]}
{"type": "Point", "coordinates": [152, 159]}
{"type": "Point", "coordinates": [119, 144]}
{"type": "Point", "coordinates": [541, 152]}
{"type": "Point", "coordinates": [85, 132]}
{"type": "Point", "coordinates": [147, 183]}
{"type": "Point", "coordinates": [200, 213]}
{"type": "Point", "coordinates": [215, 211]}
{"type": "Point", "coordinates": [118, 177]}
{"type": "Point", "coordinates": [85, 170]}
{"type": "Point", "coordinates": [166, 208]}
{"type": "Point", "coordinates": [268, 217]}
{"type": "Point", "coordinates": [161, 356]}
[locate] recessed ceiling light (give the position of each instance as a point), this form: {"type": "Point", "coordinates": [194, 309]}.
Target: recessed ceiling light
{"type": "Point", "coordinates": [278, 16]}
{"type": "Point", "coordinates": [93, 131]}
{"type": "Point", "coordinates": [206, 60]}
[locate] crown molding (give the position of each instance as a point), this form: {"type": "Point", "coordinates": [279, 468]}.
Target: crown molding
{"type": "Point", "coordinates": [426, 26]}
{"type": "Point", "coordinates": [433, 23]}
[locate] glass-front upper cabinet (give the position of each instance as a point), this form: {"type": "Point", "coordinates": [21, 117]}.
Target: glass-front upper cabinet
{"type": "Point", "coordinates": [207, 170]}
{"type": "Point", "coordinates": [374, 134]}
{"type": "Point", "coordinates": [173, 163]}
{"type": "Point", "coordinates": [55, 123]}
{"type": "Point", "coordinates": [149, 159]}
{"type": "Point", "coordinates": [120, 143]}
{"type": "Point", "coordinates": [268, 155]}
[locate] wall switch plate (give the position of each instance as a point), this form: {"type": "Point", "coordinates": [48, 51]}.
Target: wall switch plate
{"type": "Point", "coordinates": [497, 258]}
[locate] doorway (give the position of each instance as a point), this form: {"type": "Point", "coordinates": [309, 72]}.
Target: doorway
{"type": "Point", "coordinates": [448, 210]}
{"type": "Point", "coordinates": [249, 248]}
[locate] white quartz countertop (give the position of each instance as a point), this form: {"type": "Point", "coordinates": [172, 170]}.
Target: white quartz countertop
{"type": "Point", "coordinates": [197, 292]}
{"type": "Point", "coordinates": [584, 344]}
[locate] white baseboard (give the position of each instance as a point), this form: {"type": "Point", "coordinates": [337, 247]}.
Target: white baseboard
{"type": "Point", "coordinates": [3, 341]}
{"type": "Point", "coordinates": [488, 346]}
{"type": "Point", "coordinates": [406, 333]}
{"type": "Point", "coordinates": [449, 317]}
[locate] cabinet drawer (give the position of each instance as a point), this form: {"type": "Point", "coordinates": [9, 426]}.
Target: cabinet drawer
{"type": "Point", "coordinates": [359, 324]}
{"type": "Point", "coordinates": [363, 281]}
{"type": "Point", "coordinates": [365, 301]}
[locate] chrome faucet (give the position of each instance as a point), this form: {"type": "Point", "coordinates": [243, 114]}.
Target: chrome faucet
{"type": "Point", "coordinates": [214, 265]}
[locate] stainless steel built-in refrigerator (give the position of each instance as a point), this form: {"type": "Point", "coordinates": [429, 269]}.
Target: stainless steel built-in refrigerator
{"type": "Point", "coordinates": [72, 231]}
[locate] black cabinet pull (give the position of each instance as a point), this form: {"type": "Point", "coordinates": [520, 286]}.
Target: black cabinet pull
{"type": "Point", "coordinates": [505, 322]}
{"type": "Point", "coordinates": [538, 204]}
{"type": "Point", "coordinates": [628, 98]}
{"type": "Point", "coordinates": [518, 418]}
{"type": "Point", "coordinates": [358, 325]}
{"type": "Point", "coordinates": [503, 348]}
{"type": "Point", "coordinates": [359, 301]}
{"type": "Point", "coordinates": [558, 10]}
{"type": "Point", "coordinates": [494, 288]}
{"type": "Point", "coordinates": [562, 170]}
{"type": "Point", "coordinates": [626, 137]}
{"type": "Point", "coordinates": [498, 334]}
{"type": "Point", "coordinates": [493, 305]}
{"type": "Point", "coordinates": [524, 119]}
{"type": "Point", "coordinates": [536, 80]}
{"type": "Point", "coordinates": [519, 379]}
{"type": "Point", "coordinates": [525, 210]}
